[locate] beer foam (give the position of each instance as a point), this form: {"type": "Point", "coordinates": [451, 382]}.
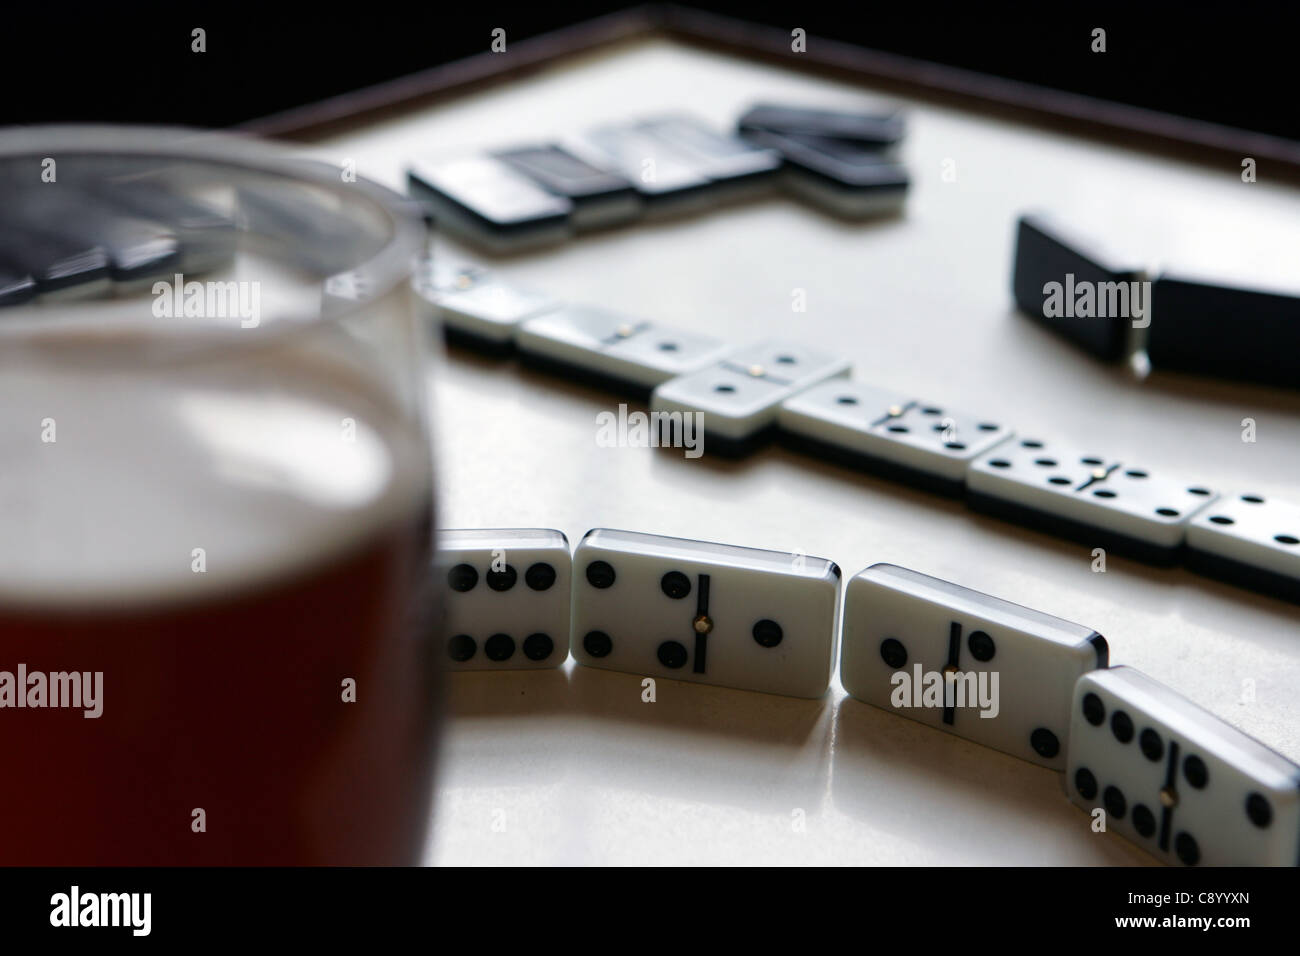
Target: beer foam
{"type": "Point", "coordinates": [193, 480]}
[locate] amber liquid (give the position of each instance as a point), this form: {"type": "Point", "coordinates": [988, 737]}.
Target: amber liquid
{"type": "Point", "coordinates": [234, 707]}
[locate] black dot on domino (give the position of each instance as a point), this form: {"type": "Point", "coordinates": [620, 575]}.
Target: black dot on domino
{"type": "Point", "coordinates": [893, 653]}
{"type": "Point", "coordinates": [1121, 725]}
{"type": "Point", "coordinates": [981, 646]}
{"type": "Point", "coordinates": [1187, 850]}
{"type": "Point", "coordinates": [1044, 742]}
{"type": "Point", "coordinates": [540, 576]}
{"type": "Point", "coordinates": [1153, 748]}
{"type": "Point", "coordinates": [1094, 711]}
{"type": "Point", "coordinates": [1195, 771]}
{"type": "Point", "coordinates": [1258, 810]}
{"type": "Point", "coordinates": [600, 574]}
{"type": "Point", "coordinates": [676, 585]}
{"type": "Point", "coordinates": [768, 633]}
{"type": "Point", "coordinates": [462, 577]}
{"type": "Point", "coordinates": [672, 654]}
{"type": "Point", "coordinates": [597, 643]}
{"type": "Point", "coordinates": [461, 647]}
{"type": "Point", "coordinates": [1116, 805]}
{"type": "Point", "coordinates": [1144, 821]}
{"type": "Point", "coordinates": [1085, 783]}
{"type": "Point", "coordinates": [499, 647]}
{"type": "Point", "coordinates": [538, 647]}
{"type": "Point", "coordinates": [502, 580]}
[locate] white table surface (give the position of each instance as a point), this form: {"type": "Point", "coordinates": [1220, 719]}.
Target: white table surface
{"type": "Point", "coordinates": [569, 766]}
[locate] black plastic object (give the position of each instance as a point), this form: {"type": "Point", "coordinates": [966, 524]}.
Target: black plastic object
{"type": "Point", "coordinates": [1245, 334]}
{"type": "Point", "coordinates": [877, 129]}
{"type": "Point", "coordinates": [1077, 290]}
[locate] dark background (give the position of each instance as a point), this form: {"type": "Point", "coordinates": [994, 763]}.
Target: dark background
{"type": "Point", "coordinates": [132, 62]}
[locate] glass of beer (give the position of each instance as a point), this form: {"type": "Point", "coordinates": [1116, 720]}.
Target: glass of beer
{"type": "Point", "coordinates": [215, 507]}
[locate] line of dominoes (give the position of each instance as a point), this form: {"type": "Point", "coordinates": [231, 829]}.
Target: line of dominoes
{"type": "Point", "coordinates": [1174, 779]}
{"type": "Point", "coordinates": [746, 395]}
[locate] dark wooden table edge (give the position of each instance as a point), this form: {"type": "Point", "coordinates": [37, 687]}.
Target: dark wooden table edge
{"type": "Point", "coordinates": [1042, 107]}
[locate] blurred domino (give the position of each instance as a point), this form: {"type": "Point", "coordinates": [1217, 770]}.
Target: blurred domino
{"type": "Point", "coordinates": [1210, 328]}
{"type": "Point", "coordinates": [877, 128]}
{"type": "Point", "coordinates": [740, 396]}
{"type": "Point", "coordinates": [16, 285]}
{"type": "Point", "coordinates": [489, 203]}
{"type": "Point", "coordinates": [613, 350]}
{"type": "Point", "coordinates": [474, 306]}
{"type": "Point", "coordinates": [919, 443]}
{"type": "Point", "coordinates": [1093, 500]}
{"type": "Point", "coordinates": [1013, 668]}
{"type": "Point", "coordinates": [667, 181]}
{"type": "Point", "coordinates": [207, 235]}
{"type": "Point", "coordinates": [1177, 781]}
{"type": "Point", "coordinates": [847, 179]}
{"type": "Point", "coordinates": [734, 166]}
{"type": "Point", "coordinates": [139, 250]}
{"type": "Point", "coordinates": [506, 598]}
{"type": "Point", "coordinates": [59, 267]}
{"type": "Point", "coordinates": [1047, 253]}
{"type": "Point", "coordinates": [1251, 541]}
{"type": "Point", "coordinates": [709, 613]}
{"type": "Point", "coordinates": [600, 197]}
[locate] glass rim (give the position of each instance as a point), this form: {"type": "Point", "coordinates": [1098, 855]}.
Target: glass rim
{"type": "Point", "coordinates": [391, 266]}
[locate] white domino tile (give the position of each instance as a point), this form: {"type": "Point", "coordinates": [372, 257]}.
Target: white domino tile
{"type": "Point", "coordinates": [1012, 669]}
{"type": "Point", "coordinates": [506, 596]}
{"type": "Point", "coordinates": [1089, 489]}
{"type": "Point", "coordinates": [637, 351]}
{"type": "Point", "coordinates": [1255, 531]}
{"type": "Point", "coordinates": [742, 395]}
{"type": "Point", "coordinates": [1176, 780]}
{"type": "Point", "coordinates": [891, 428]}
{"type": "Point", "coordinates": [709, 613]}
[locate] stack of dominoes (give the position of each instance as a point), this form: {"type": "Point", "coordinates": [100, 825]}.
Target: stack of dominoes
{"type": "Point", "coordinates": [541, 193]}
{"type": "Point", "coordinates": [732, 399]}
{"type": "Point", "coordinates": [1171, 777]}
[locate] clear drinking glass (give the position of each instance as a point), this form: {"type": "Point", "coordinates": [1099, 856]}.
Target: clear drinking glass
{"type": "Point", "coordinates": [215, 507]}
